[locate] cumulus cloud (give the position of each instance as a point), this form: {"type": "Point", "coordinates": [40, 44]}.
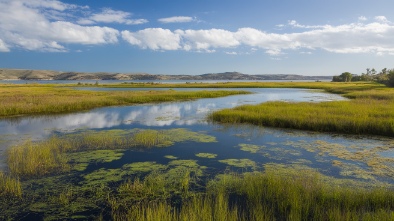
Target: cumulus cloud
{"type": "Point", "coordinates": [23, 25]}
{"type": "Point", "coordinates": [362, 18]}
{"type": "Point", "coordinates": [153, 38]}
{"type": "Point", "coordinates": [3, 47]}
{"type": "Point", "coordinates": [382, 19]}
{"type": "Point", "coordinates": [111, 16]}
{"type": "Point", "coordinates": [207, 39]}
{"type": "Point", "coordinates": [375, 37]}
{"type": "Point", "coordinates": [176, 19]}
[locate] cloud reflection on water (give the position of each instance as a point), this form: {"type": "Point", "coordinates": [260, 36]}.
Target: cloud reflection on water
{"type": "Point", "coordinates": [165, 114]}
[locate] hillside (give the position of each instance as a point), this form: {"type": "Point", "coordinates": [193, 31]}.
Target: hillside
{"type": "Point", "coordinates": [16, 74]}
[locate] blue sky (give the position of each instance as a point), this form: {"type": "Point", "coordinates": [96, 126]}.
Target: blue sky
{"type": "Point", "coordinates": [307, 37]}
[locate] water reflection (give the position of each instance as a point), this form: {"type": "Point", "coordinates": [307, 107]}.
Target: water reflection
{"type": "Point", "coordinates": [165, 114]}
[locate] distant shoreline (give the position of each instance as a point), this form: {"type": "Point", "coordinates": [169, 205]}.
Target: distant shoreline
{"type": "Point", "coordinates": [48, 75]}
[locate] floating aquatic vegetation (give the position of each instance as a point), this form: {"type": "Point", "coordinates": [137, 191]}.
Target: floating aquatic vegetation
{"type": "Point", "coordinates": [353, 170]}
{"type": "Point", "coordinates": [251, 147]}
{"type": "Point", "coordinates": [103, 176]}
{"type": "Point", "coordinates": [243, 163]}
{"type": "Point", "coordinates": [171, 157]}
{"type": "Point", "coordinates": [184, 163]}
{"type": "Point", "coordinates": [302, 161]}
{"type": "Point", "coordinates": [143, 167]}
{"type": "Point", "coordinates": [206, 155]}
{"type": "Point", "coordinates": [81, 160]}
{"type": "Point", "coordinates": [294, 170]}
{"type": "Point", "coordinates": [371, 157]}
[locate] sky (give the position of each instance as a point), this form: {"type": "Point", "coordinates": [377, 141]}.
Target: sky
{"type": "Point", "coordinates": [305, 37]}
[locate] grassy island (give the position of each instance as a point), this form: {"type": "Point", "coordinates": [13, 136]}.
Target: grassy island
{"type": "Point", "coordinates": [370, 110]}
{"type": "Point", "coordinates": [48, 99]}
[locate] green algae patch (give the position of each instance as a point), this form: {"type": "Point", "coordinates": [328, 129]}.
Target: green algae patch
{"type": "Point", "coordinates": [143, 167]}
{"type": "Point", "coordinates": [242, 163]}
{"type": "Point", "coordinates": [301, 170]}
{"type": "Point", "coordinates": [367, 159]}
{"type": "Point", "coordinates": [251, 148]}
{"type": "Point", "coordinates": [171, 157]}
{"type": "Point", "coordinates": [81, 160]}
{"type": "Point", "coordinates": [206, 155]}
{"type": "Point", "coordinates": [184, 163]}
{"type": "Point", "coordinates": [103, 176]}
{"type": "Point", "coordinates": [182, 135]}
{"type": "Point", "coordinates": [353, 170]}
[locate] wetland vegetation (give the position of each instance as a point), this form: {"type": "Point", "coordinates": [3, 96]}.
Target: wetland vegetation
{"type": "Point", "coordinates": [126, 174]}
{"type": "Point", "coordinates": [369, 111]}
{"type": "Point", "coordinates": [48, 99]}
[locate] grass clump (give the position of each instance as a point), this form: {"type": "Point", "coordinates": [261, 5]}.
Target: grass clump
{"type": "Point", "coordinates": [10, 186]}
{"type": "Point", "coordinates": [47, 99]}
{"type": "Point", "coordinates": [35, 159]}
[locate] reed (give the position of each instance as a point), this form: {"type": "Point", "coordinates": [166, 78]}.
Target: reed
{"type": "Point", "coordinates": [10, 186]}
{"type": "Point", "coordinates": [267, 196]}
{"type": "Point", "coordinates": [35, 159]}
{"type": "Point", "coordinates": [48, 99]}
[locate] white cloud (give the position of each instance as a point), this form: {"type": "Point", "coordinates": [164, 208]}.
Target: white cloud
{"type": "Point", "coordinates": [375, 37]}
{"type": "Point", "coordinates": [3, 47]}
{"type": "Point", "coordinates": [111, 16]}
{"type": "Point", "coordinates": [176, 19]}
{"type": "Point", "coordinates": [232, 53]}
{"type": "Point", "coordinates": [362, 18]}
{"type": "Point", "coordinates": [295, 24]}
{"type": "Point", "coordinates": [23, 24]}
{"type": "Point", "coordinates": [382, 19]}
{"type": "Point", "coordinates": [207, 39]}
{"type": "Point", "coordinates": [153, 38]}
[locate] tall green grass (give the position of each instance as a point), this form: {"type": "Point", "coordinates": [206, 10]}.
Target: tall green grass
{"type": "Point", "coordinates": [370, 111]}
{"type": "Point", "coordinates": [46, 99]}
{"type": "Point", "coordinates": [268, 196]}
{"type": "Point", "coordinates": [10, 186]}
{"type": "Point", "coordinates": [35, 159]}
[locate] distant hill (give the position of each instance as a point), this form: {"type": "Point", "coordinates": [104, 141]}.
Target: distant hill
{"type": "Point", "coordinates": [16, 74]}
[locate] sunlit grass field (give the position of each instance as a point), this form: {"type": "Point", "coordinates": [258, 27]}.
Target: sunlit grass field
{"type": "Point", "coordinates": [46, 99]}
{"type": "Point", "coordinates": [370, 110]}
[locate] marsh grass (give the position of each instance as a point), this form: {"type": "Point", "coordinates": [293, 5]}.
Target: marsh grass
{"type": "Point", "coordinates": [10, 186]}
{"type": "Point", "coordinates": [35, 159]}
{"type": "Point", "coordinates": [32, 159]}
{"type": "Point", "coordinates": [48, 99]}
{"type": "Point", "coordinates": [370, 111]}
{"type": "Point", "coordinates": [265, 196]}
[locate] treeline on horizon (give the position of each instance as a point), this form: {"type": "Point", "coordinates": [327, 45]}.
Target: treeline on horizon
{"type": "Point", "coordinates": [385, 76]}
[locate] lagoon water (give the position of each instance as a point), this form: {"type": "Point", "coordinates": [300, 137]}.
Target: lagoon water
{"type": "Point", "coordinates": [330, 154]}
